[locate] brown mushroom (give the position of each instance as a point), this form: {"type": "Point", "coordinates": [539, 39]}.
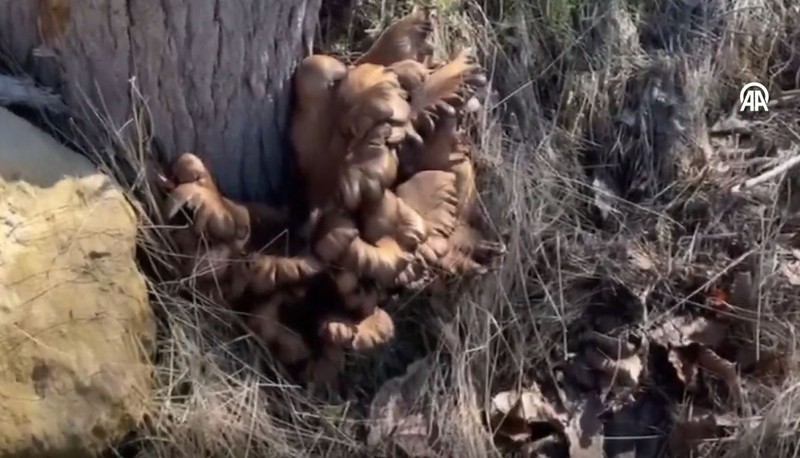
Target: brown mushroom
{"type": "Point", "coordinates": [263, 274]}
{"type": "Point", "coordinates": [332, 235]}
{"type": "Point", "coordinates": [371, 95]}
{"type": "Point", "coordinates": [382, 261]}
{"type": "Point", "coordinates": [449, 87]}
{"type": "Point", "coordinates": [374, 330]}
{"type": "Point", "coordinates": [404, 39]}
{"type": "Point", "coordinates": [432, 194]}
{"type": "Point", "coordinates": [446, 150]}
{"type": "Point", "coordinates": [411, 74]}
{"type": "Point", "coordinates": [390, 216]}
{"type": "Point", "coordinates": [370, 167]}
{"type": "Point", "coordinates": [188, 168]}
{"type": "Point", "coordinates": [337, 240]}
{"type": "Point", "coordinates": [319, 153]}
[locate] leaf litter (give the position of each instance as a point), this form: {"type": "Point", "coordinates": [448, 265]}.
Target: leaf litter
{"type": "Point", "coordinates": [605, 406]}
{"type": "Point", "coordinates": [397, 416]}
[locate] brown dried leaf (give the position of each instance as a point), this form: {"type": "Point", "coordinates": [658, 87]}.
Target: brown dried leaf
{"type": "Point", "coordinates": [682, 330]}
{"type": "Point", "coordinates": [685, 367]}
{"type": "Point", "coordinates": [512, 414]}
{"type": "Point", "coordinates": [393, 416]}
{"type": "Point", "coordinates": [411, 435]}
{"type": "Point", "coordinates": [724, 369]}
{"type": "Point", "coordinates": [792, 272]}
{"type": "Point", "coordinates": [624, 371]}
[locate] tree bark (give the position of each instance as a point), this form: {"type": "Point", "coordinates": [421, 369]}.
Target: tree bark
{"type": "Point", "coordinates": [215, 73]}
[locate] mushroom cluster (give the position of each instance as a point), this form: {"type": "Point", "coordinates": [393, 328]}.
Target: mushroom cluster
{"type": "Point", "coordinates": [387, 174]}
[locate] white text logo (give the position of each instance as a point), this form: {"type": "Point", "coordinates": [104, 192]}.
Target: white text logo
{"type": "Point", "coordinates": [753, 97]}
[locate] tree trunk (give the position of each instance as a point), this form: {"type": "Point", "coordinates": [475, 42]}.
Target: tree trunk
{"type": "Point", "coordinates": [215, 73]}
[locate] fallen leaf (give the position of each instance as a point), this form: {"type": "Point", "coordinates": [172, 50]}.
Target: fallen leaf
{"type": "Point", "coordinates": [625, 371]}
{"type": "Point", "coordinates": [393, 417]}
{"type": "Point", "coordinates": [722, 368]}
{"type": "Point", "coordinates": [411, 435]}
{"type": "Point", "coordinates": [683, 330]}
{"type": "Point", "coordinates": [792, 272]}
{"type": "Point", "coordinates": [685, 367]}
{"type": "Point", "coordinates": [513, 414]}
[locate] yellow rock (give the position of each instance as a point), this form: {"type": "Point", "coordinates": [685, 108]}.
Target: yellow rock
{"type": "Point", "coordinates": [75, 324]}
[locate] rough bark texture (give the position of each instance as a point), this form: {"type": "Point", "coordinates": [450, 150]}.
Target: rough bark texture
{"type": "Point", "coordinates": [215, 73]}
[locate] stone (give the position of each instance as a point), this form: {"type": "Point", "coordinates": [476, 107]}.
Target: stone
{"type": "Point", "coordinates": [76, 328]}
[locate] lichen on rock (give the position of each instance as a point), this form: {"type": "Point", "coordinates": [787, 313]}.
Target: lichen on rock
{"type": "Point", "coordinates": [75, 322]}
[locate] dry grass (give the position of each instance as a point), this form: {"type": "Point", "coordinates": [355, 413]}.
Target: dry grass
{"type": "Point", "coordinates": [622, 95]}
{"type": "Point", "coordinates": [599, 103]}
